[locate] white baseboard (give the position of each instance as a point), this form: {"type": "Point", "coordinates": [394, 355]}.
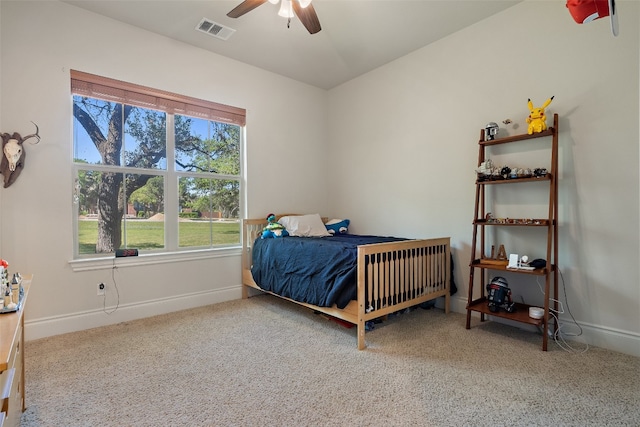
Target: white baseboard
{"type": "Point", "coordinates": [56, 325]}
{"type": "Point", "coordinates": [595, 335]}
{"type": "Point", "coordinates": [613, 339]}
{"type": "Point", "coordinates": [617, 340]}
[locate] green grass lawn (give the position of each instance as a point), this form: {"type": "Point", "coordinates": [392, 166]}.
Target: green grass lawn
{"type": "Point", "coordinates": [143, 234]}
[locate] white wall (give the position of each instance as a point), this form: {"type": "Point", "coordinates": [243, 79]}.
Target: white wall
{"type": "Point", "coordinates": [404, 143]}
{"type": "Point", "coordinates": [40, 42]}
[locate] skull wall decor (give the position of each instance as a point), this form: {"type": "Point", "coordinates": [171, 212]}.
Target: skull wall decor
{"type": "Point", "coordinates": [13, 151]}
{"type": "Point", "coordinates": [13, 160]}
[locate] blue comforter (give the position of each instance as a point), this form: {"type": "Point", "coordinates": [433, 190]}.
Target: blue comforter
{"type": "Point", "coordinates": [315, 270]}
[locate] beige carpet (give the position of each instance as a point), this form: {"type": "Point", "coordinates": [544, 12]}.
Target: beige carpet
{"type": "Point", "coordinates": [267, 362]}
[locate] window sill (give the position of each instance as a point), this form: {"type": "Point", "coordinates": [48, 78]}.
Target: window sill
{"type": "Point", "coordinates": [102, 263]}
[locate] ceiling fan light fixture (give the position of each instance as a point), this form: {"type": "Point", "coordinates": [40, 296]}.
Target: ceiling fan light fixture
{"type": "Point", "coordinates": [286, 9]}
{"type": "Point", "coordinates": [303, 9]}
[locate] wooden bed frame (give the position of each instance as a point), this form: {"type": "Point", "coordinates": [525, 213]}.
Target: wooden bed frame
{"type": "Point", "coordinates": [412, 272]}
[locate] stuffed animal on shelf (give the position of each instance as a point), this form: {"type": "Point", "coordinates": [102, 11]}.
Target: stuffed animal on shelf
{"type": "Point", "coordinates": [274, 228]}
{"type": "Point", "coordinates": [537, 119]}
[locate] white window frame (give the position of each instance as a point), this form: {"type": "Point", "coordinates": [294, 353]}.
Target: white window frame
{"type": "Point", "coordinates": [93, 86]}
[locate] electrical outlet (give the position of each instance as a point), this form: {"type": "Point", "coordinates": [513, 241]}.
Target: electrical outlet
{"type": "Point", "coordinates": [101, 289]}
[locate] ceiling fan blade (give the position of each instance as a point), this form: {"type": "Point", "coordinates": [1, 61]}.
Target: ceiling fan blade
{"type": "Point", "coordinates": [244, 7]}
{"type": "Point", "coordinates": [307, 16]}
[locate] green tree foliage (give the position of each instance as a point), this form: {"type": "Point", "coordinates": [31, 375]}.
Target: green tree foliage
{"type": "Point", "coordinates": [150, 197]}
{"type": "Point", "coordinates": [145, 147]}
{"type": "Point", "coordinates": [88, 182]}
{"type": "Point", "coordinates": [218, 154]}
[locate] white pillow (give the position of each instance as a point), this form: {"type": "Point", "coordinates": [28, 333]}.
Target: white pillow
{"type": "Point", "coordinates": [304, 225]}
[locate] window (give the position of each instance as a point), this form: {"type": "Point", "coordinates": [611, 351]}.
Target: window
{"type": "Point", "coordinates": [153, 170]}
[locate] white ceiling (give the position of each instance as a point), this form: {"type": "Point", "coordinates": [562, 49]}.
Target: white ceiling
{"type": "Point", "coordinates": [357, 35]}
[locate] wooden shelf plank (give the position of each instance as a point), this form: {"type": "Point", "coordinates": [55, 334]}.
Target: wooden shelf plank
{"type": "Point", "coordinates": [535, 222]}
{"type": "Point", "coordinates": [514, 138]}
{"type": "Point", "coordinates": [547, 177]}
{"type": "Point", "coordinates": [478, 263]}
{"type": "Point", "coordinates": [521, 313]}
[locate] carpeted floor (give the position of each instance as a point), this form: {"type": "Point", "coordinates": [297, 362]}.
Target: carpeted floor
{"type": "Point", "coordinates": [267, 362]}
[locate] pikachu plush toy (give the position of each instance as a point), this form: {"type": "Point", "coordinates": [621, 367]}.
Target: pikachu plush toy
{"type": "Point", "coordinates": [537, 120]}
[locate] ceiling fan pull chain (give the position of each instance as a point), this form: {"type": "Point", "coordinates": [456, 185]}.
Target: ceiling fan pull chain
{"type": "Point", "coordinates": [289, 23]}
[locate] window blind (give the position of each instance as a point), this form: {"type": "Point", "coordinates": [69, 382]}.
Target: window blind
{"type": "Point", "coordinates": [91, 85]}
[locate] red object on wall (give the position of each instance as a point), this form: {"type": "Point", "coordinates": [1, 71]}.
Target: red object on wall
{"type": "Point", "coordinates": [585, 11]}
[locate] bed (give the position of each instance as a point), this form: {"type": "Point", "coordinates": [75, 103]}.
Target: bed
{"type": "Point", "coordinates": [382, 275]}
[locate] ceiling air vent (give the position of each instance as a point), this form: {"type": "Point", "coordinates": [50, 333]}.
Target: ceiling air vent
{"type": "Point", "coordinates": [214, 29]}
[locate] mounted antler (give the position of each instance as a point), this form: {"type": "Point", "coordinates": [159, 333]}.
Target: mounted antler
{"type": "Point", "coordinates": [13, 160]}
{"type": "Point", "coordinates": [33, 135]}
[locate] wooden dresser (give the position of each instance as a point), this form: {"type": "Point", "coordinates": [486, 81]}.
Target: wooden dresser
{"type": "Point", "coordinates": [12, 402]}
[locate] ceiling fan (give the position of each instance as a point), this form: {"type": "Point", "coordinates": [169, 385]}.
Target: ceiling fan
{"type": "Point", "coordinates": [302, 8]}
